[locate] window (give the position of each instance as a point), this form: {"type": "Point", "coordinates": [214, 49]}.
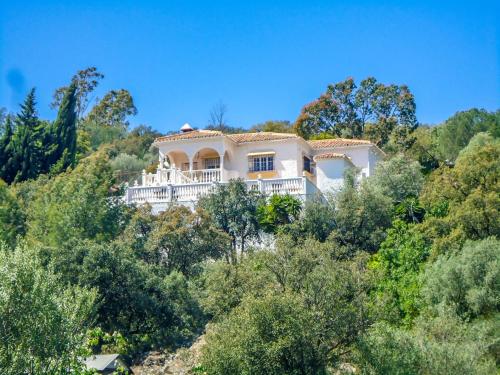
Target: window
{"type": "Point", "coordinates": [261, 163]}
{"type": "Point", "coordinates": [212, 163]}
{"type": "Point", "coordinates": [307, 164]}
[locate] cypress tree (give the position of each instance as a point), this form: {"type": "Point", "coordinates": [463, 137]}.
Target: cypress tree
{"type": "Point", "coordinates": [61, 154]}
{"type": "Point", "coordinates": [27, 138]}
{"type": "Point", "coordinates": [6, 152]}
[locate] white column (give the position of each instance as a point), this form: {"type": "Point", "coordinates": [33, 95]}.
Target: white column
{"type": "Point", "coordinates": [222, 171]}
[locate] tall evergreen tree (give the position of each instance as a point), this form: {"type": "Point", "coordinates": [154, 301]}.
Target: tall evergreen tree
{"type": "Point", "coordinates": [61, 154]}
{"type": "Point", "coordinates": [6, 152]}
{"type": "Point", "coordinates": [27, 157]}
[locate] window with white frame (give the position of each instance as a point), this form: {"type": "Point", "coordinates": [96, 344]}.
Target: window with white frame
{"type": "Point", "coordinates": [212, 163]}
{"type": "Point", "coordinates": [261, 163]}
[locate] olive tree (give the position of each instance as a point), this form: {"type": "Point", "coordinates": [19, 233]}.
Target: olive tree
{"type": "Point", "coordinates": [42, 321]}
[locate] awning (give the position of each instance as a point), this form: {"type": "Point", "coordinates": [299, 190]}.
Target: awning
{"type": "Point", "coordinates": [261, 153]}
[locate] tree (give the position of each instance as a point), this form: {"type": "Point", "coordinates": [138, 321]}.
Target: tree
{"type": "Point", "coordinates": [7, 170]}
{"type": "Point", "coordinates": [345, 110]}
{"type": "Point", "coordinates": [278, 211]}
{"type": "Point", "coordinates": [43, 321]}
{"type": "Point", "coordinates": [468, 281]}
{"type": "Point", "coordinates": [399, 178]}
{"type": "Point", "coordinates": [80, 203]}
{"type": "Point", "coordinates": [233, 209]}
{"type": "Point", "coordinates": [218, 120]}
{"type": "Point", "coordinates": [273, 126]}
{"type": "Point", "coordinates": [399, 263]}
{"type": "Point", "coordinates": [362, 214]}
{"type": "Point", "coordinates": [154, 314]}
{"type": "Point", "coordinates": [113, 109]}
{"type": "Point", "coordinates": [222, 285]}
{"type": "Point", "coordinates": [27, 155]}
{"type": "Point", "coordinates": [98, 135]}
{"type": "Point", "coordinates": [218, 116]}
{"type": "Point", "coordinates": [462, 202]}
{"type": "Point", "coordinates": [138, 142]}
{"type": "Point", "coordinates": [11, 217]}
{"type": "Point", "coordinates": [307, 318]}
{"type": "Point", "coordinates": [317, 221]}
{"type": "Point", "coordinates": [86, 81]}
{"type": "Point", "coordinates": [459, 129]}
{"type": "Point", "coordinates": [437, 345]}
{"type": "Point", "coordinates": [63, 133]}
{"type": "Point", "coordinates": [425, 148]}
{"type": "Point", "coordinates": [180, 239]}
{"type": "Point", "coordinates": [264, 336]}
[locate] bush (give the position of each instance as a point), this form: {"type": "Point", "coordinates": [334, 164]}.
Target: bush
{"type": "Point", "coordinates": [442, 345]}
{"type": "Point", "coordinates": [467, 281]}
{"type": "Point", "coordinates": [43, 321]}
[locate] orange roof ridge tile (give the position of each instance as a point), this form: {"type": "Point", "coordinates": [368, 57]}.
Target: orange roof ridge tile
{"type": "Point", "coordinates": [330, 155]}
{"type": "Point", "coordinates": [337, 142]}
{"type": "Point", "coordinates": [189, 135]}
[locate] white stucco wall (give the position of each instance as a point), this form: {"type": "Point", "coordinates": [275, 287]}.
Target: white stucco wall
{"type": "Point", "coordinates": [373, 158]}
{"type": "Point", "coordinates": [288, 158]}
{"type": "Point", "coordinates": [361, 156]}
{"type": "Point", "coordinates": [285, 157]}
{"type": "Point", "coordinates": [330, 173]}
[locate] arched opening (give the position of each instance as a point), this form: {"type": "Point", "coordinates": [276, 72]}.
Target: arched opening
{"type": "Point", "coordinates": [206, 158]}
{"type": "Point", "coordinates": [207, 165]}
{"type": "Point", "coordinates": [177, 160]}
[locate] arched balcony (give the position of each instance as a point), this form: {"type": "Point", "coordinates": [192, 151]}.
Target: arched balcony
{"type": "Point", "coordinates": [178, 167]}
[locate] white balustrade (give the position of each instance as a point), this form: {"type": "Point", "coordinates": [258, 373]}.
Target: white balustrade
{"type": "Point", "coordinates": [175, 176]}
{"type": "Point", "coordinates": [283, 186]}
{"type": "Point", "coordinates": [165, 191]}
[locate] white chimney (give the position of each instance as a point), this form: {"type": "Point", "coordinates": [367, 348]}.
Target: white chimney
{"type": "Point", "coordinates": [186, 128]}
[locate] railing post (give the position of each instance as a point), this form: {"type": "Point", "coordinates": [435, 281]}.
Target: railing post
{"type": "Point", "coordinates": [170, 193]}
{"type": "Point", "coordinates": [127, 195]}
{"type": "Point", "coordinates": [143, 177]}
{"type": "Point", "coordinates": [260, 184]}
{"type": "Point", "coordinates": [158, 175]}
{"type": "Point", "coordinates": [304, 184]}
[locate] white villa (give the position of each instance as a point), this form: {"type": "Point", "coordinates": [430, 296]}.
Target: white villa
{"type": "Point", "coordinates": [193, 161]}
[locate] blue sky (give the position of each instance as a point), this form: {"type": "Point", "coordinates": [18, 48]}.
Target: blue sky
{"type": "Point", "coordinates": [263, 59]}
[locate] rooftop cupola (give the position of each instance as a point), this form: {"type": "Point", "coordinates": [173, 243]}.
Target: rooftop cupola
{"type": "Point", "coordinates": [186, 128]}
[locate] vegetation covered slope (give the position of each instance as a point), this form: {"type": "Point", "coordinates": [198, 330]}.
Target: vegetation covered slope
{"type": "Point", "coordinates": [398, 273]}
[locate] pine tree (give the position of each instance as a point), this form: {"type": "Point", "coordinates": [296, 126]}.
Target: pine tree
{"type": "Point", "coordinates": [61, 154]}
{"type": "Point", "coordinates": [6, 152]}
{"type": "Point", "coordinates": [27, 151]}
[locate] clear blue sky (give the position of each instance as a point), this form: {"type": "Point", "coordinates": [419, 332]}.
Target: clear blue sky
{"type": "Point", "coordinates": [263, 61]}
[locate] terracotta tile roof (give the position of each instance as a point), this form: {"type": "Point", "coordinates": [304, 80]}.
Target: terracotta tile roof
{"type": "Point", "coordinates": [330, 155]}
{"type": "Point", "coordinates": [337, 142]}
{"type": "Point", "coordinates": [189, 135]}
{"type": "Point", "coordinates": [260, 136]}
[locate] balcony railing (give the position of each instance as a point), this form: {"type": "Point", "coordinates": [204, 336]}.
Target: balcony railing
{"type": "Point", "coordinates": [191, 192]}
{"type": "Point", "coordinates": [177, 176]}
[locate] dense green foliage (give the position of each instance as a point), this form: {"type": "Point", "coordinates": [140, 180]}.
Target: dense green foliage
{"type": "Point", "coordinates": [459, 129]}
{"type": "Point", "coordinates": [234, 211]}
{"type": "Point", "coordinates": [306, 315]}
{"type": "Point", "coordinates": [11, 216]}
{"type": "Point", "coordinates": [278, 211]}
{"type": "Point", "coordinates": [43, 320]}
{"type": "Point", "coordinates": [395, 273]}
{"type": "Point", "coordinates": [372, 110]}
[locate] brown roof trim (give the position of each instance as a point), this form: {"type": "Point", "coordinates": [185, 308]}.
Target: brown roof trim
{"type": "Point", "coordinates": [330, 155]}
{"type": "Point", "coordinates": [337, 142]}
{"type": "Point", "coordinates": [260, 137]}
{"type": "Point", "coordinates": [195, 134]}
